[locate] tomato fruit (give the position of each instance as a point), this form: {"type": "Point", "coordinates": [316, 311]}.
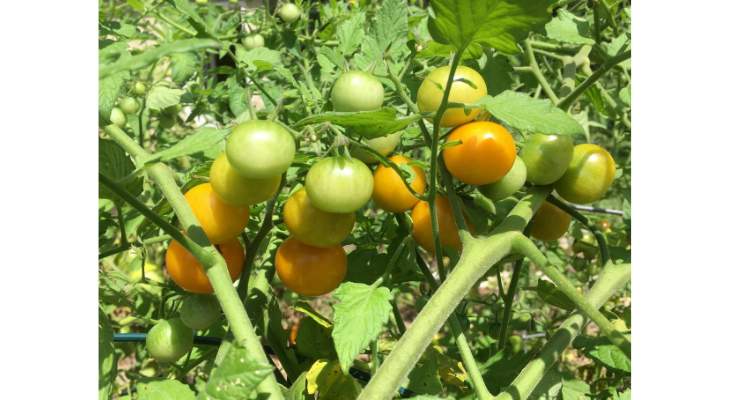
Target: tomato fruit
{"type": "Point", "coordinates": [201, 2]}
{"type": "Point", "coordinates": [357, 91]}
{"type": "Point", "coordinates": [139, 88]}
{"type": "Point", "coordinates": [605, 225]}
{"type": "Point", "coordinates": [338, 185]}
{"type": "Point", "coordinates": [309, 270]}
{"type": "Point", "coordinates": [430, 96]}
{"type": "Point", "coordinates": [486, 154]}
{"type": "Point", "coordinates": [169, 340]}
{"type": "Point", "coordinates": [252, 42]}
{"type": "Point", "coordinates": [289, 13]}
{"type": "Point", "coordinates": [589, 175]}
{"type": "Point", "coordinates": [118, 118]}
{"type": "Point", "coordinates": [237, 190]}
{"type": "Point", "coordinates": [550, 223]}
{"type": "Point", "coordinates": [200, 311]}
{"type": "Point", "coordinates": [260, 149]}
{"type": "Point", "coordinates": [494, 329]}
{"type": "Point", "coordinates": [187, 272]}
{"type": "Point", "coordinates": [389, 191]}
{"type": "Point", "coordinates": [220, 221]}
{"type": "Point", "coordinates": [130, 105]}
{"type": "Point", "coordinates": [233, 1]}
{"type": "Point", "coordinates": [315, 227]}
{"type": "Point", "coordinates": [582, 276]}
{"type": "Point", "coordinates": [172, 110]}
{"type": "Point", "coordinates": [516, 344]}
{"type": "Point", "coordinates": [383, 145]}
{"type": "Point", "coordinates": [593, 268]}
{"type": "Point", "coordinates": [448, 232]}
{"type": "Point", "coordinates": [579, 263]}
{"type": "Point", "coordinates": [167, 121]}
{"type": "Point", "coordinates": [508, 184]}
{"type": "Point", "coordinates": [546, 157]}
{"type": "Point", "coordinates": [584, 246]}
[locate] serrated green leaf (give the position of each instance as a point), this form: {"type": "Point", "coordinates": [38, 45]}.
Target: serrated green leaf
{"type": "Point", "coordinates": [115, 164]}
{"type": "Point", "coordinates": [567, 28]}
{"type": "Point", "coordinates": [359, 318]}
{"type": "Point", "coordinates": [237, 375]}
{"type": "Point", "coordinates": [111, 85]}
{"type": "Point", "coordinates": [117, 28]}
{"type": "Point", "coordinates": [525, 113]}
{"type": "Point", "coordinates": [201, 140]}
{"type": "Point", "coordinates": [620, 43]}
{"type": "Point", "coordinates": [306, 308]}
{"type": "Point", "coordinates": [550, 294]}
{"type": "Point", "coordinates": [326, 377]}
{"type": "Point", "coordinates": [350, 34]}
{"type": "Point", "coordinates": [107, 358]}
{"type": "Point", "coordinates": [261, 57]}
{"type": "Point", "coordinates": [602, 351]}
{"type": "Point", "coordinates": [424, 379]}
{"type": "Point", "coordinates": [391, 22]}
{"type": "Point", "coordinates": [574, 389]}
{"type": "Point", "coordinates": [497, 73]}
{"type": "Point", "coordinates": [499, 24]}
{"type": "Point", "coordinates": [369, 124]}
{"type": "Point", "coordinates": [183, 66]}
{"type": "Point", "coordinates": [500, 370]}
{"type": "Point", "coordinates": [314, 341]}
{"type": "Point", "coordinates": [163, 389]}
{"type": "Point", "coordinates": [136, 4]}
{"type": "Point", "coordinates": [204, 28]}
{"type": "Point", "coordinates": [625, 95]}
{"type": "Point", "coordinates": [161, 97]}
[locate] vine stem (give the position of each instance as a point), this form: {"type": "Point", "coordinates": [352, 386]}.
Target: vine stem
{"type": "Point", "coordinates": [198, 244]}
{"type": "Point", "coordinates": [568, 100]}
{"type": "Point", "coordinates": [538, 74]}
{"type": "Point", "coordinates": [526, 247]}
{"type": "Point", "coordinates": [602, 245]}
{"type": "Point", "coordinates": [510, 297]}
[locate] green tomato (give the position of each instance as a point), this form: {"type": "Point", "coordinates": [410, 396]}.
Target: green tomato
{"type": "Point", "coordinates": [383, 145]}
{"type": "Point", "coordinates": [167, 121]}
{"type": "Point", "coordinates": [579, 263]}
{"type": "Point", "coordinates": [582, 276]}
{"type": "Point", "coordinates": [201, 2]}
{"type": "Point", "coordinates": [338, 185]}
{"type": "Point", "coordinates": [508, 184]}
{"type": "Point", "coordinates": [139, 88]}
{"type": "Point", "coordinates": [252, 42]}
{"type": "Point", "coordinates": [494, 329]}
{"type": "Point", "coordinates": [593, 269]}
{"type": "Point", "coordinates": [589, 175]}
{"type": "Point", "coordinates": [118, 118]}
{"type": "Point", "coordinates": [260, 149]}
{"type": "Point", "coordinates": [357, 91]}
{"type": "Point", "coordinates": [130, 105]}
{"type": "Point", "coordinates": [169, 340]}
{"type": "Point", "coordinates": [289, 13]}
{"type": "Point", "coordinates": [172, 110]}
{"type": "Point", "coordinates": [516, 344]}
{"type": "Point", "coordinates": [233, 1]}
{"type": "Point", "coordinates": [588, 245]}
{"type": "Point", "coordinates": [237, 190]}
{"type": "Point", "coordinates": [546, 157]}
{"type": "Point", "coordinates": [200, 311]}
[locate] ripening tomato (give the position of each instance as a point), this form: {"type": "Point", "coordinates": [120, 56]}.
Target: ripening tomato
{"type": "Point", "coordinates": [130, 105]}
{"type": "Point", "coordinates": [389, 191]}
{"type": "Point", "coordinates": [588, 245]}
{"type": "Point", "coordinates": [430, 96]}
{"type": "Point", "coordinates": [260, 149]}
{"type": "Point", "coordinates": [200, 311]}
{"type": "Point", "coordinates": [589, 175]}
{"type": "Point", "coordinates": [309, 270]}
{"type": "Point", "coordinates": [508, 184]}
{"type": "Point", "coordinates": [338, 185]}
{"type": "Point", "coordinates": [448, 232]}
{"type": "Point", "coordinates": [605, 225]}
{"type": "Point", "coordinates": [237, 190]}
{"type": "Point", "coordinates": [187, 272]}
{"type": "Point", "coordinates": [252, 42]}
{"type": "Point", "coordinates": [220, 221]}
{"type": "Point", "coordinates": [118, 118]}
{"type": "Point", "coordinates": [550, 223]}
{"type": "Point", "coordinates": [383, 145]}
{"type": "Point", "coordinates": [546, 157]}
{"type": "Point", "coordinates": [169, 340]}
{"type": "Point", "coordinates": [289, 12]}
{"type": "Point", "coordinates": [357, 91]}
{"type": "Point", "coordinates": [315, 227]}
{"type": "Point", "coordinates": [486, 154]}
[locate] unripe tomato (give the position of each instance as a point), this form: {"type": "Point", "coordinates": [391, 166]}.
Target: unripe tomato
{"type": "Point", "coordinates": [550, 223]}
{"type": "Point", "coordinates": [187, 272]}
{"type": "Point", "coordinates": [494, 329]}
{"type": "Point", "coordinates": [169, 340]}
{"type": "Point", "coordinates": [289, 13]}
{"type": "Point", "coordinates": [315, 227]}
{"type": "Point", "coordinates": [338, 185]}
{"type": "Point", "coordinates": [580, 246]}
{"type": "Point", "coordinates": [233, 1]}
{"type": "Point", "coordinates": [508, 185]}
{"type": "Point", "coordinates": [252, 42]}
{"type": "Point", "coordinates": [201, 2]}
{"type": "Point", "coordinates": [448, 232]}
{"type": "Point", "coordinates": [486, 154]}
{"type": "Point", "coordinates": [357, 91]}
{"type": "Point", "coordinates": [167, 121]}
{"type": "Point", "coordinates": [237, 190]}
{"type": "Point", "coordinates": [430, 96]}
{"type": "Point", "coordinates": [309, 270]}
{"type": "Point", "coordinates": [172, 110]}
{"type": "Point", "coordinates": [260, 149]}
{"type": "Point", "coordinates": [220, 221]}
{"type": "Point", "coordinates": [200, 311]}
{"type": "Point", "coordinates": [546, 157]}
{"type": "Point", "coordinates": [389, 191]}
{"type": "Point", "coordinates": [589, 175]}
{"type": "Point", "coordinates": [118, 118]}
{"type": "Point", "coordinates": [516, 344]}
{"type": "Point", "coordinates": [130, 105]}
{"type": "Point", "coordinates": [593, 268]}
{"type": "Point", "coordinates": [579, 263]}
{"type": "Point", "coordinates": [139, 88]}
{"type": "Point", "coordinates": [582, 276]}
{"type": "Point", "coordinates": [383, 145]}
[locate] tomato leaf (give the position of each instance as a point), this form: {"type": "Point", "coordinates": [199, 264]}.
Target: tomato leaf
{"type": "Point", "coordinates": [163, 389]}
{"type": "Point", "coordinates": [201, 140]}
{"type": "Point", "coordinates": [496, 71]}
{"type": "Point", "coordinates": [359, 318]}
{"type": "Point", "coordinates": [369, 124]}
{"type": "Point", "coordinates": [525, 113]}
{"type": "Point", "coordinates": [620, 43]}
{"type": "Point", "coordinates": [107, 357]}
{"type": "Point", "coordinates": [111, 85]}
{"type": "Point", "coordinates": [115, 164]}
{"type": "Point", "coordinates": [237, 375]}
{"type": "Point", "coordinates": [161, 97]}
{"type": "Point", "coordinates": [550, 294]}
{"type": "Point", "coordinates": [574, 389]}
{"type": "Point", "coordinates": [314, 341]}
{"type": "Point", "coordinates": [298, 389]}
{"type": "Point", "coordinates": [425, 379]}
{"type": "Point", "coordinates": [183, 67]}
{"type": "Point", "coordinates": [261, 59]}
{"type": "Point", "coordinates": [200, 25]}
{"type": "Point", "coordinates": [350, 34]}
{"type": "Point", "coordinates": [601, 350]}
{"type": "Point", "coordinates": [391, 22]}
{"type": "Point", "coordinates": [306, 308]}
{"type": "Point", "coordinates": [326, 377]}
{"type": "Point", "coordinates": [500, 370]}
{"type": "Point", "coordinates": [567, 28]}
{"type": "Point", "coordinates": [499, 24]}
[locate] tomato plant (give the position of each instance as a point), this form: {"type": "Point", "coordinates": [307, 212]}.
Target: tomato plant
{"type": "Point", "coordinates": [253, 41]}
{"type": "Point", "coordinates": [238, 190]}
{"type": "Point", "coordinates": [589, 175]}
{"type": "Point", "coordinates": [260, 149]}
{"type": "Point", "coordinates": [550, 223]}
{"type": "Point", "coordinates": [200, 311]}
{"type": "Point", "coordinates": [546, 157]}
{"type": "Point", "coordinates": [431, 93]}
{"type": "Point", "coordinates": [289, 12]}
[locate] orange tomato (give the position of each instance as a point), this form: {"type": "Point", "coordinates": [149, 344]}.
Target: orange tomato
{"type": "Point", "coordinates": [389, 191]}
{"type": "Point", "coordinates": [486, 154]}
{"type": "Point", "coordinates": [221, 222]}
{"type": "Point", "coordinates": [315, 227]}
{"type": "Point", "coordinates": [448, 232]}
{"type": "Point", "coordinates": [187, 272]}
{"type": "Point", "coordinates": [309, 270]}
{"type": "Point", "coordinates": [550, 223]}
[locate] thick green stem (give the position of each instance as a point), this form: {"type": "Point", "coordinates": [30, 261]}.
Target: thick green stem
{"type": "Point", "coordinates": [566, 102]}
{"type": "Point", "coordinates": [510, 297]}
{"type": "Point", "coordinates": [526, 247]}
{"type": "Point", "coordinates": [538, 74]}
{"type": "Point", "coordinates": [612, 278]}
